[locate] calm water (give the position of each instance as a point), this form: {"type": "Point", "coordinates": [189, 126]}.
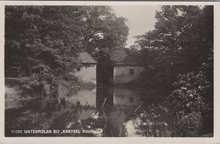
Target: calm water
{"type": "Point", "coordinates": [101, 111]}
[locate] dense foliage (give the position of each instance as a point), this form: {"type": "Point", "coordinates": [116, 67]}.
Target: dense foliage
{"type": "Point", "coordinates": [42, 42]}
{"type": "Point", "coordinates": [180, 52]}
{"type": "Point", "coordinates": [181, 42]}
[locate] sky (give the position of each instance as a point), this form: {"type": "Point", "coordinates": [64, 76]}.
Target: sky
{"type": "Point", "coordinates": [141, 19]}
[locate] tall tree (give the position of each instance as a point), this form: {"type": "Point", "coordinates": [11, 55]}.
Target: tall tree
{"type": "Point", "coordinates": [102, 29]}
{"type": "Point", "coordinates": [180, 48]}
{"type": "Point", "coordinates": [42, 42]}
{"type": "Point", "coordinates": [182, 39]}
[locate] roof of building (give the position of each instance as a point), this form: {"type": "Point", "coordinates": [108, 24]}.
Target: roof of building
{"type": "Point", "coordinates": [124, 56]}
{"type": "Point", "coordinates": [85, 57]}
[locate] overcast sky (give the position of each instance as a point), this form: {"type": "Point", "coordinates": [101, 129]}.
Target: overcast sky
{"type": "Point", "coordinates": [140, 19]}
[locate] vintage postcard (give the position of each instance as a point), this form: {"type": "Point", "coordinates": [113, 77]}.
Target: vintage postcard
{"type": "Point", "coordinates": [99, 71]}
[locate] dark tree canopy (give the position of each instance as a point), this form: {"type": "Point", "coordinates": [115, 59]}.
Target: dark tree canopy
{"type": "Point", "coordinates": [42, 42]}
{"type": "Point", "coordinates": [181, 41]}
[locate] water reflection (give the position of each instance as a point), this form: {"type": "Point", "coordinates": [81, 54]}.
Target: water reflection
{"type": "Point", "coordinates": [115, 96]}
{"type": "Point", "coordinates": [105, 108]}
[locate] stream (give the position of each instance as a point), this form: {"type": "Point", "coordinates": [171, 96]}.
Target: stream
{"type": "Point", "coordinates": [100, 111]}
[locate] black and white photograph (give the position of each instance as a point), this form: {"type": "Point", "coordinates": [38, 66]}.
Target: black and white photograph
{"type": "Point", "coordinates": [109, 70]}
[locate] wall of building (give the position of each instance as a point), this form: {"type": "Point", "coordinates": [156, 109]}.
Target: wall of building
{"type": "Point", "coordinates": [87, 75]}
{"type": "Point", "coordinates": [123, 75]}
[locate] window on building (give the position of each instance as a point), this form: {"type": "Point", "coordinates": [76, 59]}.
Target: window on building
{"type": "Point", "coordinates": [131, 71]}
